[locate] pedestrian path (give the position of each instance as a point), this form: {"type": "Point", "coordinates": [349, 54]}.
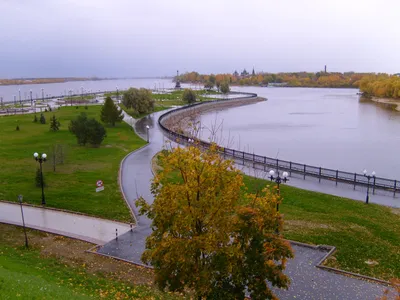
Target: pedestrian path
{"type": "Point", "coordinates": [308, 281]}
{"type": "Point", "coordinates": [90, 229]}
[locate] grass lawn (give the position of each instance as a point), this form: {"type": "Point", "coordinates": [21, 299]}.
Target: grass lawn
{"type": "Point", "coordinates": [72, 185]}
{"type": "Point", "coordinates": [361, 233]}
{"type": "Point", "coordinates": [58, 268]}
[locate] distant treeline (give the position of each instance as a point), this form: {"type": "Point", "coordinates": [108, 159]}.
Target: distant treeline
{"type": "Point", "coordinates": [298, 79]}
{"type": "Point", "coordinates": [43, 80]}
{"type": "Point", "coordinates": [382, 85]}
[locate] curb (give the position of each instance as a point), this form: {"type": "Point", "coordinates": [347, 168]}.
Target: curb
{"type": "Point", "coordinates": [94, 249]}
{"type": "Point", "coordinates": [120, 183]}
{"type": "Point", "coordinates": [331, 250]}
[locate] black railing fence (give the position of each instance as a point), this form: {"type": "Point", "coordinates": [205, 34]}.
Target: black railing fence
{"type": "Point", "coordinates": [265, 163]}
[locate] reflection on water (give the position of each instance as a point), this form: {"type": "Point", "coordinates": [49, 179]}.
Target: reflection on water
{"type": "Point", "coordinates": [322, 127]}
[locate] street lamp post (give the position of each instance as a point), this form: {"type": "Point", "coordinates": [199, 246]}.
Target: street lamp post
{"type": "Point", "coordinates": [148, 127]}
{"type": "Point", "coordinates": [31, 98]}
{"type": "Point", "coordinates": [23, 220]}
{"type": "Point", "coordinates": [278, 179]}
{"type": "Point", "coordinates": [41, 159]}
{"type": "Point", "coordinates": [117, 93]}
{"type": "Point", "coordinates": [369, 177]}
{"type": "Point", "coordinates": [43, 95]}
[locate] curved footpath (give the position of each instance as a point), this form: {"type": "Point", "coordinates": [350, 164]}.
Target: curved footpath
{"type": "Point", "coordinates": [308, 281]}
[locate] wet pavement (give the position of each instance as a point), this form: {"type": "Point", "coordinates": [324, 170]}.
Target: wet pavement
{"type": "Point", "coordinates": [308, 281]}
{"type": "Point", "coordinates": [90, 229]}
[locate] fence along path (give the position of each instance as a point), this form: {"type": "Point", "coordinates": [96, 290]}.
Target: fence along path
{"type": "Point", "coordinates": [263, 162]}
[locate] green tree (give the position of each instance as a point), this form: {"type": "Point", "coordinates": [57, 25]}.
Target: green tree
{"type": "Point", "coordinates": [42, 119]}
{"type": "Point", "coordinates": [87, 130]}
{"type": "Point", "coordinates": [35, 119]}
{"type": "Point", "coordinates": [54, 124]}
{"type": "Point", "coordinates": [212, 79]}
{"type": "Point", "coordinates": [189, 96]}
{"type": "Point", "coordinates": [139, 99]}
{"type": "Point", "coordinates": [110, 114]}
{"type": "Point", "coordinates": [224, 87]}
{"type": "Point", "coordinates": [208, 85]}
{"type": "Point", "coordinates": [204, 238]}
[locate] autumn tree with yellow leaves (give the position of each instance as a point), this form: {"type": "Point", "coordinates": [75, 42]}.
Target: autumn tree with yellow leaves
{"type": "Point", "coordinates": [210, 235]}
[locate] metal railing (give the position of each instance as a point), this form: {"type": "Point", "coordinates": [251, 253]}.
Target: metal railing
{"type": "Point", "coordinates": [263, 163]}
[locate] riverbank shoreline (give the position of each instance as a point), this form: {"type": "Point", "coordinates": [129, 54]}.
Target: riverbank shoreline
{"type": "Point", "coordinates": [394, 102]}
{"type": "Point", "coordinates": [184, 121]}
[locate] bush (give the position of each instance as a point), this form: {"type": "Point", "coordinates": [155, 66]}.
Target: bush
{"type": "Point", "coordinates": [139, 99]}
{"type": "Point", "coordinates": [189, 96]}
{"type": "Point", "coordinates": [54, 124]}
{"type": "Point", "coordinates": [87, 130]}
{"type": "Point", "coordinates": [17, 128]}
{"type": "Point", "coordinates": [224, 87]}
{"type": "Point", "coordinates": [86, 107]}
{"type": "Point", "coordinates": [35, 119]}
{"type": "Point", "coordinates": [42, 119]}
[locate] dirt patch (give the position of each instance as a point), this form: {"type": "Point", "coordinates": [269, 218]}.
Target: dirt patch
{"type": "Point", "coordinates": [72, 253]}
{"type": "Point", "coordinates": [303, 224]}
{"type": "Point", "coordinates": [396, 211]}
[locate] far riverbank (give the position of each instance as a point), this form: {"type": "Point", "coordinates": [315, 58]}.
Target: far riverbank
{"type": "Point", "coordinates": [394, 102]}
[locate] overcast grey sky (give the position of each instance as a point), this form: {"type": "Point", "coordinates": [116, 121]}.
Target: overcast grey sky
{"type": "Point", "coordinates": [156, 37]}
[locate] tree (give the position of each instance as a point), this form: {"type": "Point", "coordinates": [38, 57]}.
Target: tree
{"type": "Point", "coordinates": [110, 114]}
{"type": "Point", "coordinates": [54, 124]}
{"type": "Point", "coordinates": [204, 238]}
{"type": "Point", "coordinates": [35, 119]}
{"type": "Point", "coordinates": [42, 119]}
{"type": "Point", "coordinates": [208, 85]}
{"type": "Point", "coordinates": [139, 99]}
{"type": "Point", "coordinates": [87, 130]}
{"type": "Point", "coordinates": [56, 155]}
{"type": "Point", "coordinates": [189, 96]}
{"type": "Point", "coordinates": [225, 87]}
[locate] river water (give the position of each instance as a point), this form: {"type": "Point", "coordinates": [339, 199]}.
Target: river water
{"type": "Point", "coordinates": [331, 128]}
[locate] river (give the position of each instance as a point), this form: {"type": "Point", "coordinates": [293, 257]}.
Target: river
{"type": "Point", "coordinates": [331, 128]}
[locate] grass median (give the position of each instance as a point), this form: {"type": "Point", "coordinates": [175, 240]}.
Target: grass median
{"type": "Point", "coordinates": [72, 186]}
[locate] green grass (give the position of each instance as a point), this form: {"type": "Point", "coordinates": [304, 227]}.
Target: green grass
{"type": "Point", "coordinates": [131, 111]}
{"type": "Point", "coordinates": [72, 186]}
{"type": "Point", "coordinates": [360, 232]}
{"type": "Point", "coordinates": [30, 274]}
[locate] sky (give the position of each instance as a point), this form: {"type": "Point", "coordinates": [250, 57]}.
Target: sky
{"type": "Point", "coordinates": [138, 38]}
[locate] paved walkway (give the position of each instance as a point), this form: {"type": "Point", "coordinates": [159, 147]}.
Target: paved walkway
{"type": "Point", "coordinates": [308, 282]}
{"type": "Point", "coordinates": [90, 229]}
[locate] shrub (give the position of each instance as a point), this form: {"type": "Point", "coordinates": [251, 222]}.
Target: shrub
{"type": "Point", "coordinates": [42, 119]}
{"type": "Point", "coordinates": [87, 130]}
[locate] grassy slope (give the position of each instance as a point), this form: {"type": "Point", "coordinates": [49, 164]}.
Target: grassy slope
{"type": "Point", "coordinates": [72, 186]}
{"type": "Point", "coordinates": [37, 274]}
